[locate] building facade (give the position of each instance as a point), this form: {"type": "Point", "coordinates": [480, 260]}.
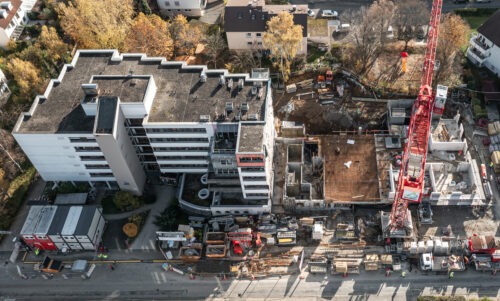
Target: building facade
{"type": "Point", "coordinates": [12, 21]}
{"type": "Point", "coordinates": [190, 8]}
{"type": "Point", "coordinates": [120, 118]}
{"type": "Point", "coordinates": [245, 23]}
{"type": "Point", "coordinates": [484, 47]}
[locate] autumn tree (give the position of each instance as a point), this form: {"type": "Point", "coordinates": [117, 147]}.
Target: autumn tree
{"type": "Point", "coordinates": [95, 24]}
{"type": "Point", "coordinates": [185, 35]}
{"type": "Point", "coordinates": [241, 62]}
{"type": "Point", "coordinates": [50, 41]}
{"type": "Point", "coordinates": [214, 45]}
{"type": "Point", "coordinates": [283, 39]}
{"type": "Point", "coordinates": [26, 76]}
{"type": "Point", "coordinates": [453, 36]}
{"type": "Point", "coordinates": [410, 16]}
{"type": "Point", "coordinates": [369, 35]}
{"type": "Point", "coordinates": [150, 34]}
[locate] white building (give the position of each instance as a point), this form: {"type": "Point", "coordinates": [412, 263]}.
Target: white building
{"type": "Point", "coordinates": [119, 118]}
{"type": "Point", "coordinates": [484, 48]}
{"type": "Point", "coordinates": [190, 8]}
{"type": "Point", "coordinates": [12, 21]}
{"type": "Point", "coordinates": [245, 23]}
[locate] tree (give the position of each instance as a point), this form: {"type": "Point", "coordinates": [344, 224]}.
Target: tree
{"type": "Point", "coordinates": [453, 36]}
{"type": "Point", "coordinates": [150, 34]}
{"type": "Point", "coordinates": [50, 41]}
{"type": "Point", "coordinates": [96, 24]}
{"type": "Point", "coordinates": [186, 36]}
{"type": "Point", "coordinates": [214, 45]}
{"type": "Point", "coordinates": [26, 76]}
{"type": "Point", "coordinates": [411, 15]}
{"type": "Point", "coordinates": [241, 62]}
{"type": "Point", "coordinates": [124, 200]}
{"type": "Point", "coordinates": [369, 35]}
{"type": "Point", "coordinates": [283, 39]}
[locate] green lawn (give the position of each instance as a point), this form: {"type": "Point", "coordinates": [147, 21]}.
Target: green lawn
{"type": "Point", "coordinates": [475, 21]}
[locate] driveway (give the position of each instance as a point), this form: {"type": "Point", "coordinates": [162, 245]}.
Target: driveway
{"type": "Point", "coordinates": [146, 240]}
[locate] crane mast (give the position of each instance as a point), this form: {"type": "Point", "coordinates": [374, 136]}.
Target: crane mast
{"type": "Point", "coordinates": [411, 176]}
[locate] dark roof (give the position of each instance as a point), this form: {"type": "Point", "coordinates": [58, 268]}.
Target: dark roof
{"type": "Point", "coordinates": [178, 96]}
{"type": "Point", "coordinates": [490, 28]}
{"type": "Point", "coordinates": [59, 220]}
{"type": "Point", "coordinates": [85, 220]}
{"type": "Point", "coordinates": [245, 19]}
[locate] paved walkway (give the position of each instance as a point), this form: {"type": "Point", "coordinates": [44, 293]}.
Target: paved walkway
{"type": "Point", "coordinates": [146, 240]}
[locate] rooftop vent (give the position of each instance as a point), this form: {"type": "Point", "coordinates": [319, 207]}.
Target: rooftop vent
{"type": "Point", "coordinates": [6, 5]}
{"type": "Point", "coordinates": [294, 8]}
{"type": "Point", "coordinates": [254, 91]}
{"type": "Point", "coordinates": [230, 84]}
{"type": "Point", "coordinates": [204, 118]}
{"type": "Point", "coordinates": [3, 14]}
{"type": "Point", "coordinates": [241, 83]}
{"type": "Point", "coordinates": [253, 117]}
{"type": "Point", "coordinates": [229, 107]}
{"type": "Point", "coordinates": [203, 77]}
{"type": "Point", "coordinates": [90, 89]}
{"type": "Point", "coordinates": [222, 80]}
{"type": "Point", "coordinates": [260, 94]}
{"type": "Point", "coordinates": [238, 116]}
{"type": "Point", "coordinates": [244, 107]}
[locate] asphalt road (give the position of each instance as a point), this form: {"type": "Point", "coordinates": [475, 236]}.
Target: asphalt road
{"type": "Point", "coordinates": [145, 281]}
{"type": "Point", "coordinates": [343, 5]}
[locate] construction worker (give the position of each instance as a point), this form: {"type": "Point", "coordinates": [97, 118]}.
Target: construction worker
{"type": "Point", "coordinates": [403, 274]}
{"type": "Point", "coordinates": [37, 251]}
{"type": "Point", "coordinates": [451, 275]}
{"type": "Point", "coordinates": [491, 164]}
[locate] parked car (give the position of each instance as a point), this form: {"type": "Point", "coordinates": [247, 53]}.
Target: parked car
{"type": "Point", "coordinates": [327, 13]}
{"type": "Point", "coordinates": [460, 1]}
{"type": "Point", "coordinates": [483, 1]}
{"type": "Point", "coordinates": [310, 13]}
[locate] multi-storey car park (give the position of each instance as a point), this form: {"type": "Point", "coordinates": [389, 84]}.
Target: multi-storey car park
{"type": "Point", "coordinates": [120, 118]}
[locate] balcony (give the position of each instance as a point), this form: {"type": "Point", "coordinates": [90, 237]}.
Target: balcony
{"type": "Point", "coordinates": [476, 42]}
{"type": "Point", "coordinates": [475, 56]}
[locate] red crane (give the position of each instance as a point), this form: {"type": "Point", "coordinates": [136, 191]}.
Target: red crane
{"type": "Point", "coordinates": [411, 176]}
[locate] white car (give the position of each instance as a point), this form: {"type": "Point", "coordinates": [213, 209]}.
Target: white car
{"type": "Point", "coordinates": [327, 13]}
{"type": "Point", "coordinates": [310, 13]}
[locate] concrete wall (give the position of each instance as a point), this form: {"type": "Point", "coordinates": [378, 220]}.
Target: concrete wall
{"type": "Point", "coordinates": [241, 40]}
{"type": "Point", "coordinates": [121, 157]}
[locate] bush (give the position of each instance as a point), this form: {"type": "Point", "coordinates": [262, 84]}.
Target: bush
{"type": "Point", "coordinates": [171, 217]}
{"type": "Point", "coordinates": [16, 193]}
{"type": "Point", "coordinates": [125, 201]}
{"type": "Point", "coordinates": [108, 206]}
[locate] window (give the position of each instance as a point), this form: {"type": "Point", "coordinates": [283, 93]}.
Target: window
{"type": "Point", "coordinates": [181, 149]}
{"type": "Point", "coordinates": [226, 162]}
{"type": "Point", "coordinates": [96, 166]}
{"type": "Point", "coordinates": [253, 17]}
{"type": "Point", "coordinates": [153, 140]}
{"type": "Point", "coordinates": [177, 3]}
{"type": "Point", "coordinates": [263, 17]}
{"type": "Point", "coordinates": [80, 149]}
{"type": "Point", "coordinates": [101, 174]}
{"type": "Point", "coordinates": [92, 158]}
{"type": "Point", "coordinates": [81, 140]}
{"type": "Point", "coordinates": [251, 159]}
{"type": "Point", "coordinates": [240, 15]}
{"type": "Point", "coordinates": [258, 35]}
{"type": "Point", "coordinates": [249, 35]}
{"type": "Point", "coordinates": [249, 43]}
{"type": "Point", "coordinates": [259, 43]}
{"type": "Point", "coordinates": [176, 130]}
{"type": "Point", "coordinates": [167, 3]}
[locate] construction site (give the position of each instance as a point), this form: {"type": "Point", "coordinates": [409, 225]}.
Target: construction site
{"type": "Point", "coordinates": [360, 183]}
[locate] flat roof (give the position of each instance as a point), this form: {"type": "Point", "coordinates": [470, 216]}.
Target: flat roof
{"type": "Point", "coordinates": [72, 220]}
{"type": "Point", "coordinates": [85, 220]}
{"type": "Point", "coordinates": [31, 220]}
{"type": "Point", "coordinates": [46, 216]}
{"type": "Point", "coordinates": [129, 88]}
{"type": "Point", "coordinates": [179, 97]}
{"type": "Point", "coordinates": [59, 220]}
{"type": "Point", "coordinates": [250, 138]}
{"type": "Point", "coordinates": [359, 182]}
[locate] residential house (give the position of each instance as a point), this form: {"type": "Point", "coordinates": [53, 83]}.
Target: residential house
{"type": "Point", "coordinates": [189, 8]}
{"type": "Point", "coordinates": [12, 21]}
{"type": "Point", "coordinates": [246, 21]}
{"type": "Point", "coordinates": [484, 48]}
